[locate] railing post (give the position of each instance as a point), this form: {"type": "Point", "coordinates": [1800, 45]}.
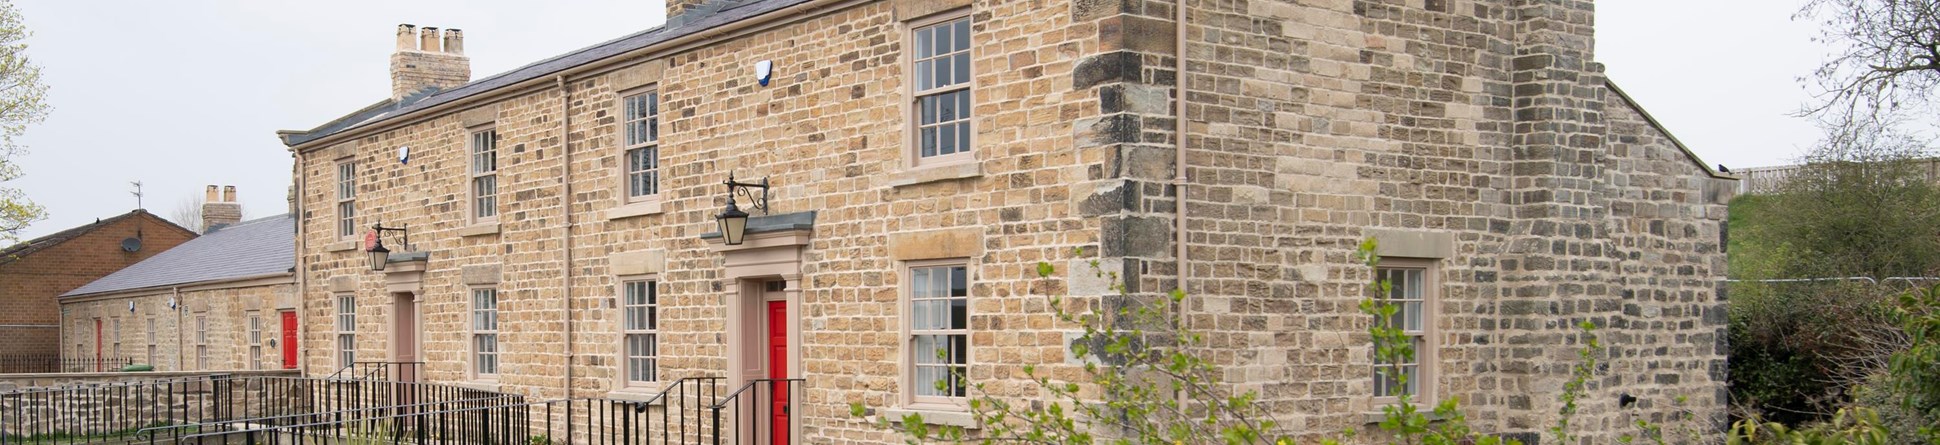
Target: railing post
{"type": "Point", "coordinates": [717, 423]}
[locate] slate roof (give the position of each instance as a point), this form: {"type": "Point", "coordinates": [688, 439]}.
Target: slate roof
{"type": "Point", "coordinates": [256, 247]}
{"type": "Point", "coordinates": [21, 250]}
{"type": "Point", "coordinates": [707, 16]}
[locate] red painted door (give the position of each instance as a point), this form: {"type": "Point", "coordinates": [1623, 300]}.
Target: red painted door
{"type": "Point", "coordinates": [289, 339]}
{"type": "Point", "coordinates": [778, 369]}
{"type": "Point", "coordinates": [97, 345]}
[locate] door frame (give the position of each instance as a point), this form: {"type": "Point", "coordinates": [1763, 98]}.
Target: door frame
{"type": "Point", "coordinates": [768, 255]}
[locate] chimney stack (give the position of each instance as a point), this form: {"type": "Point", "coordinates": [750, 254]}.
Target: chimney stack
{"type": "Point", "coordinates": [426, 59]}
{"type": "Point", "coordinates": [220, 209]}
{"type": "Point", "coordinates": [676, 7]}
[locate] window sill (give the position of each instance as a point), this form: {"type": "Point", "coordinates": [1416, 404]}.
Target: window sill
{"type": "Point", "coordinates": [1377, 416]}
{"type": "Point", "coordinates": [341, 246]}
{"type": "Point", "coordinates": [638, 394]}
{"type": "Point", "coordinates": [932, 416]}
{"type": "Point", "coordinates": [642, 208]}
{"type": "Point", "coordinates": [480, 229]}
{"type": "Point", "coordinates": [936, 173]}
{"type": "Point", "coordinates": [479, 385]}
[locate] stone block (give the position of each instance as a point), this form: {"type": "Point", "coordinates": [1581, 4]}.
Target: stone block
{"type": "Point", "coordinates": [964, 242]}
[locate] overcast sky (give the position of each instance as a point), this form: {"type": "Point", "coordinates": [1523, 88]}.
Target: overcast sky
{"type": "Point", "coordinates": [183, 94]}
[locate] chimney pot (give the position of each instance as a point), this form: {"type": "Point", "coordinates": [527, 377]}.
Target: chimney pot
{"type": "Point", "coordinates": [428, 39]}
{"type": "Point", "coordinates": [228, 193]}
{"type": "Point", "coordinates": [210, 195]}
{"type": "Point", "coordinates": [407, 37]}
{"type": "Point", "coordinates": [454, 41]}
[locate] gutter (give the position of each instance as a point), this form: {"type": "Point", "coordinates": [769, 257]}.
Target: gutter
{"type": "Point", "coordinates": [682, 43]}
{"type": "Point", "coordinates": [150, 291]}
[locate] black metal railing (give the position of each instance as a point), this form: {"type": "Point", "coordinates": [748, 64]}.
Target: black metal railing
{"type": "Point", "coordinates": [675, 415]}
{"type": "Point", "coordinates": [49, 363]}
{"type": "Point", "coordinates": [275, 409]}
{"type": "Point", "coordinates": [757, 412]}
{"type": "Point", "coordinates": [173, 407]}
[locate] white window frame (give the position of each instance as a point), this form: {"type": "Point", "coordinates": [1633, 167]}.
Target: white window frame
{"type": "Point", "coordinates": [914, 94]}
{"type": "Point", "coordinates": [912, 394]}
{"type": "Point", "coordinates": [483, 325]}
{"type": "Point", "coordinates": [346, 332]}
{"type": "Point", "coordinates": [650, 331]}
{"type": "Point", "coordinates": [345, 188]}
{"type": "Point", "coordinates": [1425, 292]}
{"type": "Point", "coordinates": [647, 140]}
{"type": "Point", "coordinates": [481, 150]}
{"type": "Point", "coordinates": [253, 334]}
{"type": "Point", "coordinates": [202, 341]}
{"type": "Point", "coordinates": [114, 324]}
{"type": "Point", "coordinates": [151, 342]}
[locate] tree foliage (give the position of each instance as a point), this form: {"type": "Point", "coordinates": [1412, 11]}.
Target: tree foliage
{"type": "Point", "coordinates": [1860, 205]}
{"type": "Point", "coordinates": [1886, 56]}
{"type": "Point", "coordinates": [23, 101]}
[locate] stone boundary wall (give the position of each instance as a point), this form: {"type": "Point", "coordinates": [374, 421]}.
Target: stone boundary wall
{"type": "Point", "coordinates": [107, 404]}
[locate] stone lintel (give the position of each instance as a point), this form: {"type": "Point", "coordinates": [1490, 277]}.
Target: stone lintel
{"type": "Point", "coordinates": [1408, 243]}
{"type": "Point", "coordinates": [964, 242]}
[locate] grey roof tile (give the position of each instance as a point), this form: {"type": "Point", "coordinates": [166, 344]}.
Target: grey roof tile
{"type": "Point", "coordinates": [251, 248]}
{"type": "Point", "coordinates": [717, 13]}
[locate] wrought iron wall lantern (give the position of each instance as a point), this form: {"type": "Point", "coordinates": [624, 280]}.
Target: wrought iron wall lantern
{"type": "Point", "coordinates": [374, 243]}
{"type": "Point", "coordinates": [733, 221]}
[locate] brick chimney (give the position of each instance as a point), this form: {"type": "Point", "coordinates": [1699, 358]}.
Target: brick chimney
{"type": "Point", "coordinates": [426, 59]}
{"type": "Point", "coordinates": [220, 208]}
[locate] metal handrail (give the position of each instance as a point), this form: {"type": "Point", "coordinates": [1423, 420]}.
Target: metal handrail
{"type": "Point", "coordinates": [737, 393]}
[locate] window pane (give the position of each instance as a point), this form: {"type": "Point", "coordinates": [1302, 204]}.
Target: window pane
{"type": "Point", "coordinates": [962, 28]}
{"type": "Point", "coordinates": [923, 75]}
{"type": "Point", "coordinates": [963, 136]}
{"type": "Point", "coordinates": [943, 72]}
{"type": "Point", "coordinates": [942, 39]}
{"type": "Point", "coordinates": [923, 42]}
{"type": "Point", "coordinates": [962, 65]}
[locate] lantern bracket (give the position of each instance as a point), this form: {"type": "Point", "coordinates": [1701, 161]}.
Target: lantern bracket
{"type": "Point", "coordinates": [758, 203]}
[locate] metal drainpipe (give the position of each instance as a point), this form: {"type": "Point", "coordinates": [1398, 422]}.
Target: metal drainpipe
{"type": "Point", "coordinates": [176, 295]}
{"type": "Point", "coordinates": [302, 300]}
{"type": "Point", "coordinates": [1179, 161]}
{"type": "Point", "coordinates": [566, 211]}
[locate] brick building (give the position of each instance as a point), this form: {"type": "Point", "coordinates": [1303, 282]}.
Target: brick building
{"type": "Point", "coordinates": [925, 155]}
{"type": "Point", "coordinates": [223, 301]}
{"type": "Point", "coordinates": [33, 273]}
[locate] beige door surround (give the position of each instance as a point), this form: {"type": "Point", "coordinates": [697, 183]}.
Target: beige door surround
{"type": "Point", "coordinates": [771, 251]}
{"type": "Point", "coordinates": [404, 285]}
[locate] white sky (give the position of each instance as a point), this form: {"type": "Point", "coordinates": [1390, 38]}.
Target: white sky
{"type": "Point", "coordinates": [183, 94]}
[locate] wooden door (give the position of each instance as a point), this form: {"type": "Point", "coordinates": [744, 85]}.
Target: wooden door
{"type": "Point", "coordinates": [289, 339]}
{"type": "Point", "coordinates": [778, 370]}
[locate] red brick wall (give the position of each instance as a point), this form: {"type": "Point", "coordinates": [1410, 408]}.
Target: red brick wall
{"type": "Point", "coordinates": [30, 284]}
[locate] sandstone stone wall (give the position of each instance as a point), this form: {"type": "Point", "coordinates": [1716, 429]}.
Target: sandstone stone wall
{"type": "Point", "coordinates": [225, 308]}
{"type": "Point", "coordinates": [1480, 133]}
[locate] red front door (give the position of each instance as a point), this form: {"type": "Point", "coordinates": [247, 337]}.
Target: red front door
{"type": "Point", "coordinates": [289, 339]}
{"type": "Point", "coordinates": [97, 345]}
{"type": "Point", "coordinates": [778, 369]}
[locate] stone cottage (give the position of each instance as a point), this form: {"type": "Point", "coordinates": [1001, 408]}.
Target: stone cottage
{"type": "Point", "coordinates": [918, 158]}
{"type": "Point", "coordinates": [223, 301]}
{"type": "Point", "coordinates": [35, 272]}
